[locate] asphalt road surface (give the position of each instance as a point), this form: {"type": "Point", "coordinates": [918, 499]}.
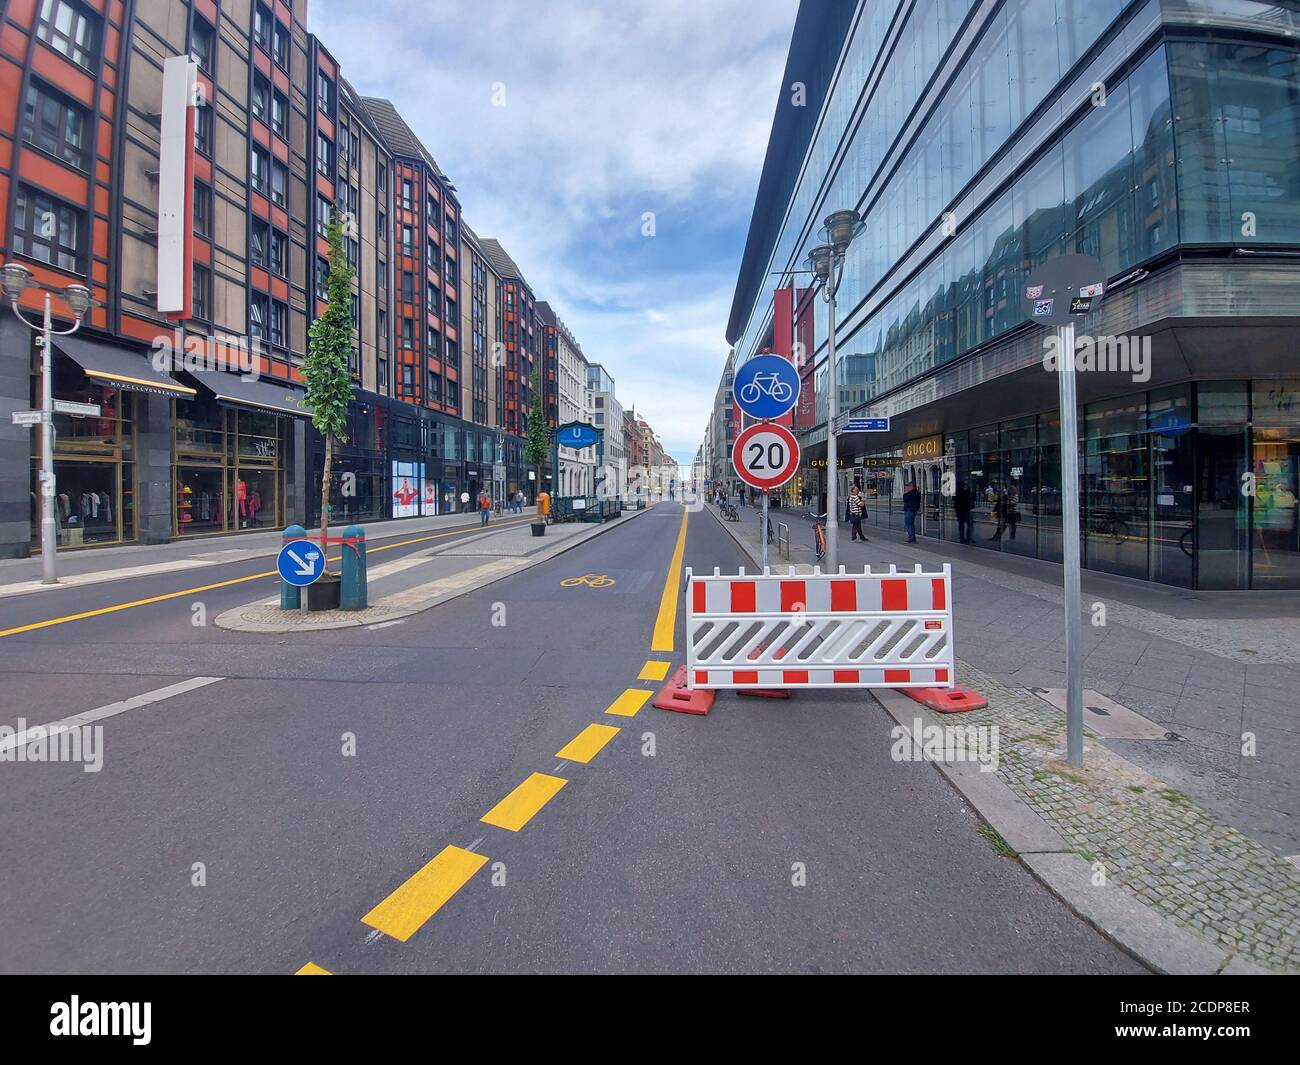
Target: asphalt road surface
{"type": "Point", "coordinates": [322, 803]}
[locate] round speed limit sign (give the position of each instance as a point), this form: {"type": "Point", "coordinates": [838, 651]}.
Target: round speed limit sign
{"type": "Point", "coordinates": [765, 455]}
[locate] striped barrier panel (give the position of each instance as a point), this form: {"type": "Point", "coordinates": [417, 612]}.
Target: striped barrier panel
{"type": "Point", "coordinates": [876, 629]}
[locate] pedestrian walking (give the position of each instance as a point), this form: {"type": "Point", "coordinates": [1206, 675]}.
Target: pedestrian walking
{"type": "Point", "coordinates": [484, 507]}
{"type": "Point", "coordinates": [856, 508]}
{"type": "Point", "coordinates": [911, 505]}
{"type": "Point", "coordinates": [961, 505]}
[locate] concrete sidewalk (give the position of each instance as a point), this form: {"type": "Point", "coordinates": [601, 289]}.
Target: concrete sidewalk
{"type": "Point", "coordinates": [1196, 834]}
{"type": "Point", "coordinates": [428, 577]}
{"type": "Point", "coordinates": [19, 576]}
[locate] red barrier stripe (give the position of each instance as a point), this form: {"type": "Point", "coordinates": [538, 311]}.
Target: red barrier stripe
{"type": "Point", "coordinates": [702, 677]}
{"type": "Point", "coordinates": [941, 674]}
{"type": "Point", "coordinates": [794, 595]}
{"type": "Point", "coordinates": [743, 597]}
{"type": "Point", "coordinates": [893, 595]}
{"type": "Point", "coordinates": [744, 676]}
{"type": "Point", "coordinates": [794, 676]}
{"type": "Point", "coordinates": [846, 676]}
{"type": "Point", "coordinates": [898, 676]}
{"type": "Point", "coordinates": [938, 595]}
{"type": "Point", "coordinates": [699, 598]}
{"type": "Point", "coordinates": [844, 595]}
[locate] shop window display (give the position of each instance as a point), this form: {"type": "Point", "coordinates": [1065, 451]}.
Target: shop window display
{"type": "Point", "coordinates": [93, 470]}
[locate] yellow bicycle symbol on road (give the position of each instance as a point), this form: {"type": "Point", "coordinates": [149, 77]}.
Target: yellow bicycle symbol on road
{"type": "Point", "coordinates": [594, 580]}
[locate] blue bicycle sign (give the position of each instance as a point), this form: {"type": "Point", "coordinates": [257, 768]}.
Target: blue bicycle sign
{"type": "Point", "coordinates": [766, 386]}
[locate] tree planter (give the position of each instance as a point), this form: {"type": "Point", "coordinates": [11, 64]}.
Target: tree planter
{"type": "Point", "coordinates": [324, 594]}
{"type": "Point", "coordinates": [538, 530]}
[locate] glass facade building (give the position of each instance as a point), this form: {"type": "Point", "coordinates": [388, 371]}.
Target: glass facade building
{"type": "Point", "coordinates": [980, 140]}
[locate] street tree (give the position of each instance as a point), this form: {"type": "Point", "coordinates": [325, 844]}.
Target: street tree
{"type": "Point", "coordinates": [537, 446]}
{"type": "Point", "coordinates": [329, 384]}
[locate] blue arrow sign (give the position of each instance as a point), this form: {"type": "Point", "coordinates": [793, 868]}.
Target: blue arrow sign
{"type": "Point", "coordinates": [300, 563]}
{"type": "Point", "coordinates": [866, 425]}
{"type": "Point", "coordinates": [766, 386]}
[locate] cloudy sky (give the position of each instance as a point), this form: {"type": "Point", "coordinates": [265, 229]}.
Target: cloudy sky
{"type": "Point", "coordinates": [612, 109]}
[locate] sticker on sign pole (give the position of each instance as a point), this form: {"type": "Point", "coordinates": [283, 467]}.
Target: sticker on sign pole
{"type": "Point", "coordinates": [765, 455]}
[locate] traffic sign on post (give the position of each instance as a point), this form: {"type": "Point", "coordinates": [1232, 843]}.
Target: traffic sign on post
{"type": "Point", "coordinates": [1058, 293]}
{"type": "Point", "coordinates": [767, 386]}
{"type": "Point", "coordinates": [300, 563]}
{"type": "Point", "coordinates": [765, 455]}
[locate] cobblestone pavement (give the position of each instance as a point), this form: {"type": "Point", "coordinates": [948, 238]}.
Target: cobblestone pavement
{"type": "Point", "coordinates": [1152, 839]}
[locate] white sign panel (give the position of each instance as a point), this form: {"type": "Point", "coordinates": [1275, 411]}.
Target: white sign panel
{"type": "Point", "coordinates": [174, 155]}
{"type": "Point", "coordinates": [84, 410]}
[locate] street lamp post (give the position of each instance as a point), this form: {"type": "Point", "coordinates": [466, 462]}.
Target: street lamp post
{"type": "Point", "coordinates": [15, 279]}
{"type": "Point", "coordinates": [827, 263]}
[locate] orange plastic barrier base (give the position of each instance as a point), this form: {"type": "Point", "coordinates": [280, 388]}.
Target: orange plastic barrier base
{"type": "Point", "coordinates": [945, 701]}
{"type": "Point", "coordinates": [680, 699]}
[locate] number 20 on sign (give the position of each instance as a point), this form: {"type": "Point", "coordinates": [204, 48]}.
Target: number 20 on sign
{"type": "Point", "coordinates": [765, 455]}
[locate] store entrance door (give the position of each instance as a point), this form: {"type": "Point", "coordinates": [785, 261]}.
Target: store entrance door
{"type": "Point", "coordinates": [928, 478]}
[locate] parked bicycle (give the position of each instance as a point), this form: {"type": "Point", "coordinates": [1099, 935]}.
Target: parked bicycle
{"type": "Point", "coordinates": [819, 540]}
{"type": "Point", "coordinates": [729, 512]}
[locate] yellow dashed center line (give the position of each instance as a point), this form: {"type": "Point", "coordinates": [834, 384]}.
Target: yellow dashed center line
{"type": "Point", "coordinates": [522, 804]}
{"type": "Point", "coordinates": [653, 670]}
{"type": "Point", "coordinates": [627, 704]}
{"type": "Point", "coordinates": [588, 743]}
{"type": "Point", "coordinates": [404, 911]}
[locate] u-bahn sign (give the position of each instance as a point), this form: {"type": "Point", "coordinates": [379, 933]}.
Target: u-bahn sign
{"type": "Point", "coordinates": [765, 455]}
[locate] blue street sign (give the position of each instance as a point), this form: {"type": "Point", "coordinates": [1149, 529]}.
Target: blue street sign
{"type": "Point", "coordinates": [766, 386]}
{"type": "Point", "coordinates": [300, 563]}
{"type": "Point", "coordinates": [866, 425]}
{"type": "Point", "coordinates": [577, 435]}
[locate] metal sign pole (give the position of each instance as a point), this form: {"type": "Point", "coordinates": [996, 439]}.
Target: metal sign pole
{"type": "Point", "coordinates": [1070, 544]}
{"type": "Point", "coordinates": [762, 530]}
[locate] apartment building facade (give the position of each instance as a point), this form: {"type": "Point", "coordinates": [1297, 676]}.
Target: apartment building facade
{"type": "Point", "coordinates": [607, 416]}
{"type": "Point", "coordinates": [206, 254]}
{"type": "Point", "coordinates": [577, 466]}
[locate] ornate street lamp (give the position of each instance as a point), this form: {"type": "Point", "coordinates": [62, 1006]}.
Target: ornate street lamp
{"type": "Point", "coordinates": [15, 279]}
{"type": "Point", "coordinates": [826, 261]}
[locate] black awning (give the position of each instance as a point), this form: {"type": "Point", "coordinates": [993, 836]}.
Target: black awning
{"type": "Point", "coordinates": [278, 397]}
{"type": "Point", "coordinates": [119, 367]}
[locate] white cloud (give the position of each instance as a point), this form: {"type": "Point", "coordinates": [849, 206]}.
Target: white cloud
{"type": "Point", "coordinates": [612, 109]}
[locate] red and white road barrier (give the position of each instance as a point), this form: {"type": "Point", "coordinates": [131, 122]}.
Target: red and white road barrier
{"type": "Point", "coordinates": [881, 629]}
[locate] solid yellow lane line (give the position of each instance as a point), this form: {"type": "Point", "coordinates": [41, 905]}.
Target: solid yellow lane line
{"type": "Point", "coordinates": [666, 622]}
{"type": "Point", "coordinates": [35, 625]}
{"type": "Point", "coordinates": [522, 804]}
{"type": "Point", "coordinates": [403, 913]}
{"type": "Point", "coordinates": [653, 670]}
{"type": "Point", "coordinates": [312, 969]}
{"type": "Point", "coordinates": [627, 704]}
{"type": "Point", "coordinates": [588, 743]}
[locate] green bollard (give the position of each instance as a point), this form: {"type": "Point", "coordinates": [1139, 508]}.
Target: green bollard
{"type": "Point", "coordinates": [291, 597]}
{"type": "Point", "coordinates": [352, 592]}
